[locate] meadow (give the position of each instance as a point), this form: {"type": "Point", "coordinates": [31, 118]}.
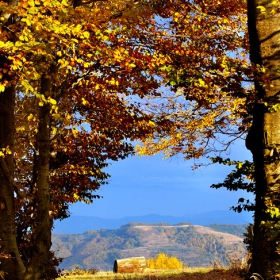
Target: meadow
{"type": "Point", "coordinates": [184, 274]}
{"type": "Point", "coordinates": [163, 267]}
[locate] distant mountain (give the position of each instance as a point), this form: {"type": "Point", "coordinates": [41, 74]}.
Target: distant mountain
{"type": "Point", "coordinates": [193, 244]}
{"type": "Point", "coordinates": [81, 224]}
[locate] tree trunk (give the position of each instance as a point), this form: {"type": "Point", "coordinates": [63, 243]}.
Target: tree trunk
{"type": "Point", "coordinates": [43, 223]}
{"type": "Point", "coordinates": [11, 262]}
{"type": "Point", "coordinates": [130, 265]}
{"type": "Point", "coordinates": [264, 137]}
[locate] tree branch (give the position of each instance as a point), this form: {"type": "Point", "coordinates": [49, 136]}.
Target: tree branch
{"type": "Point", "coordinates": [11, 181]}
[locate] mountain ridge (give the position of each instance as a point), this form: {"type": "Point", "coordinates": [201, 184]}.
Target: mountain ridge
{"type": "Point", "coordinates": [80, 224]}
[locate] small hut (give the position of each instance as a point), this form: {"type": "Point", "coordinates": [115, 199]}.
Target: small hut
{"type": "Point", "coordinates": [130, 265]}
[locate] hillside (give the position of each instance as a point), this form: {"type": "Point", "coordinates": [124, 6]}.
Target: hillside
{"type": "Point", "coordinates": [195, 245]}
{"type": "Point", "coordinates": [85, 223]}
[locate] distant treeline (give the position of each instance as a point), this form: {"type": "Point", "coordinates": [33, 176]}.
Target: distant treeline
{"type": "Point", "coordinates": [238, 230]}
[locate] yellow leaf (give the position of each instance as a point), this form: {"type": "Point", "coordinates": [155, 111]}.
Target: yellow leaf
{"type": "Point", "coordinates": [8, 151]}
{"type": "Point", "coordinates": [30, 117]}
{"type": "Point", "coordinates": [31, 3]}
{"type": "Point", "coordinates": [54, 129]}
{"type": "Point", "coordinates": [2, 88]}
{"type": "Point", "coordinates": [86, 34]}
{"type": "Point", "coordinates": [87, 64]}
{"type": "Point", "coordinates": [262, 9]}
{"type": "Point", "coordinates": [41, 103]}
{"type": "Point", "coordinates": [52, 101]}
{"type": "Point", "coordinates": [22, 128]}
{"type": "Point", "coordinates": [64, 3]}
{"type": "Point", "coordinates": [201, 83]}
{"type": "Point", "coordinates": [79, 27]}
{"type": "Point", "coordinates": [23, 38]}
{"type": "Point", "coordinates": [26, 20]}
{"type": "Point", "coordinates": [84, 102]}
{"type": "Point", "coordinates": [75, 132]}
{"type": "Point", "coordinates": [263, 69]}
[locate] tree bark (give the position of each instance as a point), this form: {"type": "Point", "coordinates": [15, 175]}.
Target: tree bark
{"type": "Point", "coordinates": [37, 268]}
{"type": "Point", "coordinates": [264, 137]}
{"type": "Point", "coordinates": [11, 262]}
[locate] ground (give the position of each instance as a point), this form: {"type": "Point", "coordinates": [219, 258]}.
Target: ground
{"type": "Point", "coordinates": [195, 274]}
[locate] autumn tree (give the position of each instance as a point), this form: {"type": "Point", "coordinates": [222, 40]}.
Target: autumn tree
{"type": "Point", "coordinates": [67, 71]}
{"type": "Point", "coordinates": [212, 72]}
{"type": "Point", "coordinates": [263, 139]}
{"type": "Point", "coordinates": [163, 261]}
{"type": "Point", "coordinates": [208, 78]}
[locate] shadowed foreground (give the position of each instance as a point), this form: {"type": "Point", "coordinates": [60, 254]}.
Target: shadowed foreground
{"type": "Point", "coordinates": [218, 274]}
{"type": "Point", "coordinates": [211, 275]}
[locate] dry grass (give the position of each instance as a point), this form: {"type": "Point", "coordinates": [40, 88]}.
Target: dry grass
{"type": "Point", "coordinates": [186, 274]}
{"type": "Point", "coordinates": [236, 269]}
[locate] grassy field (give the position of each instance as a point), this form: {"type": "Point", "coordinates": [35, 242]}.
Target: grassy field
{"type": "Point", "coordinates": [186, 274]}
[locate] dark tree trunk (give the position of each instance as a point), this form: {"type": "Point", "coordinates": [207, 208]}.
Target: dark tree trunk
{"type": "Point", "coordinates": [264, 137]}
{"type": "Point", "coordinates": [11, 262]}
{"type": "Point", "coordinates": [37, 269]}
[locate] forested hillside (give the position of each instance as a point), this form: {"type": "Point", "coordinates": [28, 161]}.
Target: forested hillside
{"type": "Point", "coordinates": [195, 245]}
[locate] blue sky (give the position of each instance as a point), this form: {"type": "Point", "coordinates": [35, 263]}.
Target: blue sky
{"type": "Point", "coordinates": [149, 185]}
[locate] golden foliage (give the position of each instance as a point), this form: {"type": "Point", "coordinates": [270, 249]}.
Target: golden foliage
{"type": "Point", "coordinates": [163, 261]}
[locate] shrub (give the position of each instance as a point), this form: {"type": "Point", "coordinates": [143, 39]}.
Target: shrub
{"type": "Point", "coordinates": [79, 271]}
{"type": "Point", "coordinates": [163, 261]}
